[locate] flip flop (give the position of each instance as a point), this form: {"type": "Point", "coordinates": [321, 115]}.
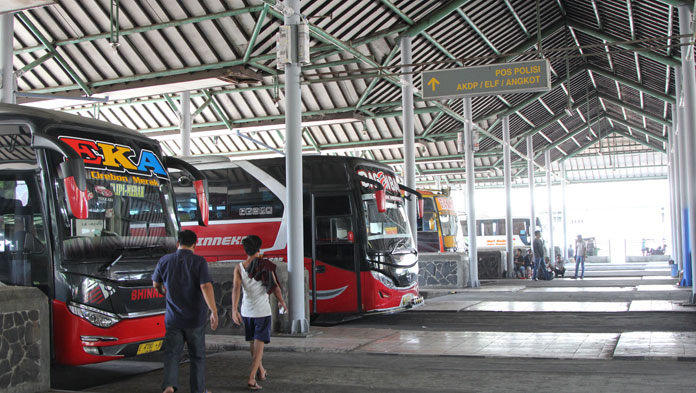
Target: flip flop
{"type": "Point", "coordinates": [254, 386]}
{"type": "Point", "coordinates": [262, 377]}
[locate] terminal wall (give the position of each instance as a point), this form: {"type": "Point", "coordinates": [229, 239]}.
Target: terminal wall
{"type": "Point", "coordinates": [443, 270]}
{"type": "Point", "coordinates": [25, 357]}
{"type": "Point", "coordinates": [223, 276]}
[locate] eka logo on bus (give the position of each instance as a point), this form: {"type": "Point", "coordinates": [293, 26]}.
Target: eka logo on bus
{"type": "Point", "coordinates": [387, 180]}
{"type": "Point", "coordinates": [116, 158]}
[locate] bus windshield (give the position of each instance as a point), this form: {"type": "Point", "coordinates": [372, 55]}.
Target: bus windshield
{"type": "Point", "coordinates": [130, 217]}
{"type": "Point", "coordinates": [449, 224]}
{"type": "Point", "coordinates": [389, 231]}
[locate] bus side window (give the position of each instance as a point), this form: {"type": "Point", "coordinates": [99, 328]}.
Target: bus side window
{"type": "Point", "coordinates": [428, 223]}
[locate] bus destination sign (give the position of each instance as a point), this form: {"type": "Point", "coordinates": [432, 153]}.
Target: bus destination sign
{"type": "Point", "coordinates": [493, 79]}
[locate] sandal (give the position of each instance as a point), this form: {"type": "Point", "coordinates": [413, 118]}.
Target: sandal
{"type": "Point", "coordinates": [254, 386]}
{"type": "Point", "coordinates": [260, 376]}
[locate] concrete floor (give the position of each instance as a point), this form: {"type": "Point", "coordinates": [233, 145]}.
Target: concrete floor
{"type": "Point", "coordinates": [510, 335]}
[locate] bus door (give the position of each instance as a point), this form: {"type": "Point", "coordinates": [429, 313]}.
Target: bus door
{"type": "Point", "coordinates": [335, 268]}
{"type": "Point", "coordinates": [24, 257]}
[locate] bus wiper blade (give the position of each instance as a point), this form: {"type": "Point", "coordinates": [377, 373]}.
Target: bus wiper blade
{"type": "Point", "coordinates": [126, 250]}
{"type": "Point", "coordinates": [397, 244]}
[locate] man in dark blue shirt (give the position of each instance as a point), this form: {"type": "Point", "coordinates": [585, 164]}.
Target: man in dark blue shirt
{"type": "Point", "coordinates": [184, 278]}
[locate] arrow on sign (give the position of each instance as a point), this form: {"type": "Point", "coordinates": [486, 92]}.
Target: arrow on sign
{"type": "Point", "coordinates": [433, 82]}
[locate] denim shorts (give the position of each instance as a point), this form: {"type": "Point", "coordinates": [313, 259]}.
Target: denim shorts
{"type": "Point", "coordinates": [257, 328]}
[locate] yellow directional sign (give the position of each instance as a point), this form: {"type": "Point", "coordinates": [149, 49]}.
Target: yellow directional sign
{"type": "Point", "coordinates": [433, 82]}
{"type": "Point", "coordinates": [494, 79]}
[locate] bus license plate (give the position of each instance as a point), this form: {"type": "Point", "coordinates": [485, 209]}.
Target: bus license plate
{"type": "Point", "coordinates": [152, 346]}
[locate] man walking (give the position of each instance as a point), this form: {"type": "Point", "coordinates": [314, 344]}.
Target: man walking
{"type": "Point", "coordinates": [184, 278]}
{"type": "Point", "coordinates": [580, 253]}
{"type": "Point", "coordinates": [538, 254]}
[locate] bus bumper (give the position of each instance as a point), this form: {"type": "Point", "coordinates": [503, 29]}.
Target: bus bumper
{"type": "Point", "coordinates": [76, 341]}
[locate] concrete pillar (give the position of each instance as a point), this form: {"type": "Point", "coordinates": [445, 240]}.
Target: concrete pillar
{"type": "Point", "coordinates": [507, 162]}
{"type": "Point", "coordinates": [6, 57]}
{"type": "Point", "coordinates": [185, 123]}
{"type": "Point", "coordinates": [293, 162]}
{"type": "Point", "coordinates": [549, 238]}
{"type": "Point", "coordinates": [530, 174]}
{"type": "Point", "coordinates": [470, 186]}
{"type": "Point", "coordinates": [563, 210]}
{"type": "Point", "coordinates": [689, 128]}
{"type": "Point", "coordinates": [409, 132]}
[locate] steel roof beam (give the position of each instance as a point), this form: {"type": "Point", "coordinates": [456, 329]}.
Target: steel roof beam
{"type": "Point", "coordinates": [312, 140]}
{"type": "Point", "coordinates": [635, 109]}
{"type": "Point", "coordinates": [206, 67]}
{"type": "Point", "coordinates": [579, 103]}
{"type": "Point", "coordinates": [142, 29]}
{"type": "Point", "coordinates": [638, 140]}
{"type": "Point", "coordinates": [48, 45]}
{"type": "Point", "coordinates": [510, 111]}
{"type": "Point", "coordinates": [634, 127]}
{"type": "Point", "coordinates": [517, 18]}
{"type": "Point", "coordinates": [666, 60]}
{"type": "Point", "coordinates": [389, 76]}
{"type": "Point", "coordinates": [434, 17]}
{"type": "Point", "coordinates": [374, 81]}
{"type": "Point", "coordinates": [676, 3]}
{"type": "Point", "coordinates": [531, 42]}
{"type": "Point", "coordinates": [587, 146]}
{"type": "Point", "coordinates": [596, 12]}
{"type": "Point", "coordinates": [433, 41]}
{"type": "Point", "coordinates": [255, 34]}
{"type": "Point", "coordinates": [564, 139]}
{"type": "Point", "coordinates": [478, 31]}
{"type": "Point", "coordinates": [624, 81]}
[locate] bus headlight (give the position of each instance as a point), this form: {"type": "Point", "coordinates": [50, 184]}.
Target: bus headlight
{"type": "Point", "coordinates": [388, 282]}
{"type": "Point", "coordinates": [94, 316]}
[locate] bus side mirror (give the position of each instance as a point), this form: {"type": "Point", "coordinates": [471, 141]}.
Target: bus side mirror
{"type": "Point", "coordinates": [201, 188]}
{"type": "Point", "coordinates": [381, 200]}
{"type": "Point", "coordinates": [421, 207]}
{"type": "Point", "coordinates": [76, 196]}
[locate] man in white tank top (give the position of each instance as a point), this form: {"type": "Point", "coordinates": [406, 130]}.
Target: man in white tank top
{"type": "Point", "coordinates": [256, 278]}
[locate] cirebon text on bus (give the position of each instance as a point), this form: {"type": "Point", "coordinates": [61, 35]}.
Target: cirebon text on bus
{"type": "Point", "coordinates": [86, 211]}
{"type": "Point", "coordinates": [358, 247]}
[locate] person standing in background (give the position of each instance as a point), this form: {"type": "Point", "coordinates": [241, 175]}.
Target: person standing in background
{"type": "Point", "coordinates": [538, 254]}
{"type": "Point", "coordinates": [184, 279]}
{"type": "Point", "coordinates": [580, 253]}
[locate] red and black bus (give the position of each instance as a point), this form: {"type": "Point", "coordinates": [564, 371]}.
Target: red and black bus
{"type": "Point", "coordinates": [86, 211]}
{"type": "Point", "coordinates": [358, 248]}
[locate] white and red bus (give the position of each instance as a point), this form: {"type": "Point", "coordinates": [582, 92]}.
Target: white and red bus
{"type": "Point", "coordinates": [86, 211]}
{"type": "Point", "coordinates": [358, 247]}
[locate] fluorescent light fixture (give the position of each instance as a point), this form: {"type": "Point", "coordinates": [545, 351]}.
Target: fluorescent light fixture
{"type": "Point", "coordinates": [375, 146]}
{"type": "Point", "coordinates": [7, 6]}
{"type": "Point", "coordinates": [55, 102]}
{"type": "Point", "coordinates": [155, 86]}
{"type": "Point", "coordinates": [308, 121]}
{"type": "Point", "coordinates": [168, 88]}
